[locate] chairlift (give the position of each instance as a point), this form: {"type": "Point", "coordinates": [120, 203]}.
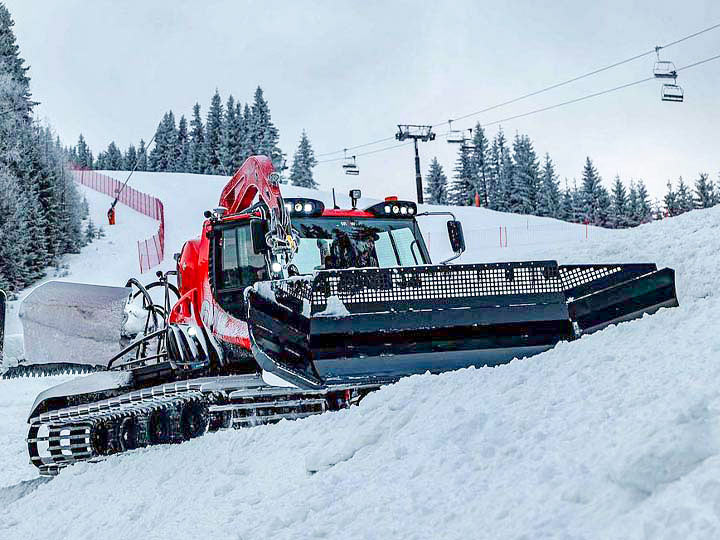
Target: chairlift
{"type": "Point", "coordinates": [672, 92]}
{"type": "Point", "coordinates": [467, 142]}
{"type": "Point", "coordinates": [454, 136]}
{"type": "Point", "coordinates": [350, 165]}
{"type": "Point", "coordinates": [664, 69]}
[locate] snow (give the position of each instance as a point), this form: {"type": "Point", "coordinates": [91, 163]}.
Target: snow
{"type": "Point", "coordinates": [335, 308]}
{"type": "Point", "coordinates": [615, 435]}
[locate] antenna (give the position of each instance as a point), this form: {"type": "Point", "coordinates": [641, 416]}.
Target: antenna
{"type": "Point", "coordinates": [335, 205]}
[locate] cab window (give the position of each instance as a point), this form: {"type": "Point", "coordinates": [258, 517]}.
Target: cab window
{"type": "Point", "coordinates": [239, 265]}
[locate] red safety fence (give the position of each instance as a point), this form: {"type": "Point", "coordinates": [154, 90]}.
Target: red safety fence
{"type": "Point", "coordinates": [152, 250]}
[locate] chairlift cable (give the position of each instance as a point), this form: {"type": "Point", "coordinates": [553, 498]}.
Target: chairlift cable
{"type": "Point", "coordinates": [542, 109]}
{"type": "Point", "coordinates": [531, 94]}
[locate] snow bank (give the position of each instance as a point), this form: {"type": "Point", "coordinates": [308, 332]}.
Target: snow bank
{"type": "Point", "coordinates": [615, 435]}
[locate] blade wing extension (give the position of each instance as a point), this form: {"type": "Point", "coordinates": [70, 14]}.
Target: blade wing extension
{"type": "Point", "coordinates": [600, 295]}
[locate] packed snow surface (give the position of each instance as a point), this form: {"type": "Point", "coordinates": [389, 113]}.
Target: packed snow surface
{"type": "Point", "coordinates": [616, 435]}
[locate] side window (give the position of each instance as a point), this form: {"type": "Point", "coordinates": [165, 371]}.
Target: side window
{"type": "Point", "coordinates": [240, 266]}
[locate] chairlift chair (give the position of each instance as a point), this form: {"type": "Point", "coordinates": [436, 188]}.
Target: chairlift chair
{"type": "Point", "coordinates": [672, 92]}
{"type": "Point", "coordinates": [350, 166]}
{"type": "Point", "coordinates": [454, 136]}
{"type": "Point", "coordinates": [664, 69]}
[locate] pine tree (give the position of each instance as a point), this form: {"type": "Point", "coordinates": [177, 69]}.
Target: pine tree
{"type": "Point", "coordinates": [84, 155]}
{"type": "Point", "coordinates": [113, 158]}
{"type": "Point", "coordinates": [525, 176]}
{"type": "Point", "coordinates": [566, 205]}
{"type": "Point", "coordinates": [301, 174]}
{"type": "Point", "coordinates": [142, 157]}
{"type": "Point", "coordinates": [643, 211]}
{"type": "Point", "coordinates": [130, 157]}
{"type": "Point", "coordinates": [549, 194]}
{"type": "Point", "coordinates": [436, 185]}
{"type": "Point", "coordinates": [632, 206]}
{"type": "Point", "coordinates": [670, 201]}
{"type": "Point", "coordinates": [704, 192]}
{"type": "Point", "coordinates": [231, 136]}
{"type": "Point", "coordinates": [197, 159]}
{"type": "Point", "coordinates": [262, 134]}
{"type": "Point", "coordinates": [595, 198]}
{"type": "Point", "coordinates": [182, 149]}
{"type": "Point", "coordinates": [618, 205]}
{"type": "Point", "coordinates": [213, 136]}
{"type": "Point", "coordinates": [685, 201]}
{"type": "Point", "coordinates": [501, 167]}
{"type": "Point", "coordinates": [462, 189]}
{"type": "Point", "coordinates": [481, 156]}
{"type": "Point", "coordinates": [16, 102]}
{"type": "Point", "coordinates": [90, 231]}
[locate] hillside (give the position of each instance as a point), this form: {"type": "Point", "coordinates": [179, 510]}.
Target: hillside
{"type": "Point", "coordinates": [615, 435]}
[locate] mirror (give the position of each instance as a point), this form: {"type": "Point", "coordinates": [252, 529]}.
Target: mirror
{"type": "Point", "coordinates": [258, 230]}
{"type": "Point", "coordinates": [457, 238]}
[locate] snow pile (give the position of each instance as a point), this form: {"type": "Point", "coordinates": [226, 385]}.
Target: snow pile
{"type": "Point", "coordinates": [616, 435]}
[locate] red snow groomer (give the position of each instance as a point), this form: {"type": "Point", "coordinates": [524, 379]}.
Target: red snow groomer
{"type": "Point", "coordinates": [287, 308]}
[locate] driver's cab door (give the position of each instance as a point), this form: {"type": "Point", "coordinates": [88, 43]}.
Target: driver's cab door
{"type": "Point", "coordinates": [236, 266]}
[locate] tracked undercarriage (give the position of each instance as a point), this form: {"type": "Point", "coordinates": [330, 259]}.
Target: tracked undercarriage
{"type": "Point", "coordinates": [170, 413]}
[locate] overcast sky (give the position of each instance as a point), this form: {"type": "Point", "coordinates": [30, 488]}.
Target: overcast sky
{"type": "Point", "coordinates": [348, 72]}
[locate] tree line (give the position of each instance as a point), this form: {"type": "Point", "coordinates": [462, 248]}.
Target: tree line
{"type": "Point", "coordinates": [41, 212]}
{"type": "Point", "coordinates": [511, 178]}
{"type": "Point", "coordinates": [230, 133]}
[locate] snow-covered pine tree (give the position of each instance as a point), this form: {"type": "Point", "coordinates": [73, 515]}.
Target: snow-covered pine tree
{"type": "Point", "coordinates": [241, 136]}
{"type": "Point", "coordinates": [670, 201]}
{"type": "Point", "coordinates": [197, 160]}
{"type": "Point", "coordinates": [130, 157]}
{"type": "Point", "coordinates": [182, 149]}
{"type": "Point", "coordinates": [685, 201]}
{"type": "Point", "coordinates": [84, 155]}
{"type": "Point", "coordinates": [595, 198]}
{"type": "Point", "coordinates": [632, 206]}
{"type": "Point", "coordinates": [230, 136]}
{"type": "Point", "coordinates": [481, 164]}
{"type": "Point", "coordinates": [502, 173]}
{"type": "Point", "coordinates": [247, 148]}
{"type": "Point", "coordinates": [462, 188]}
{"type": "Point", "coordinates": [142, 157]}
{"type": "Point", "coordinates": [618, 204]}
{"type": "Point", "coordinates": [213, 136]}
{"type": "Point", "coordinates": [566, 204]}
{"type": "Point", "coordinates": [705, 196]}
{"type": "Point", "coordinates": [436, 185]}
{"type": "Point", "coordinates": [113, 158]}
{"type": "Point", "coordinates": [263, 135]}
{"type": "Point", "coordinates": [90, 231]}
{"type": "Point", "coordinates": [301, 174]}
{"type": "Point", "coordinates": [525, 176]}
{"type": "Point", "coordinates": [156, 156]}
{"type": "Point", "coordinates": [13, 233]}
{"type": "Point", "coordinates": [549, 193]}
{"type": "Point", "coordinates": [643, 209]}
{"type": "Point", "coordinates": [171, 150]}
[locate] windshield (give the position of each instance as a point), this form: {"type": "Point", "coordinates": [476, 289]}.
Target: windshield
{"type": "Point", "coordinates": [327, 243]}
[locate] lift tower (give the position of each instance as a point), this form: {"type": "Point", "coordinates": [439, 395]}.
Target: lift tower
{"type": "Point", "coordinates": [415, 132]}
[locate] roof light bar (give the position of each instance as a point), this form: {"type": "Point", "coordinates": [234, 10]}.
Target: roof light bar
{"type": "Point", "coordinates": [393, 209]}
{"type": "Point", "coordinates": [304, 207]}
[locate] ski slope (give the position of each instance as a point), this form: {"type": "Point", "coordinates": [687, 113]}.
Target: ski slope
{"type": "Point", "coordinates": [616, 435]}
